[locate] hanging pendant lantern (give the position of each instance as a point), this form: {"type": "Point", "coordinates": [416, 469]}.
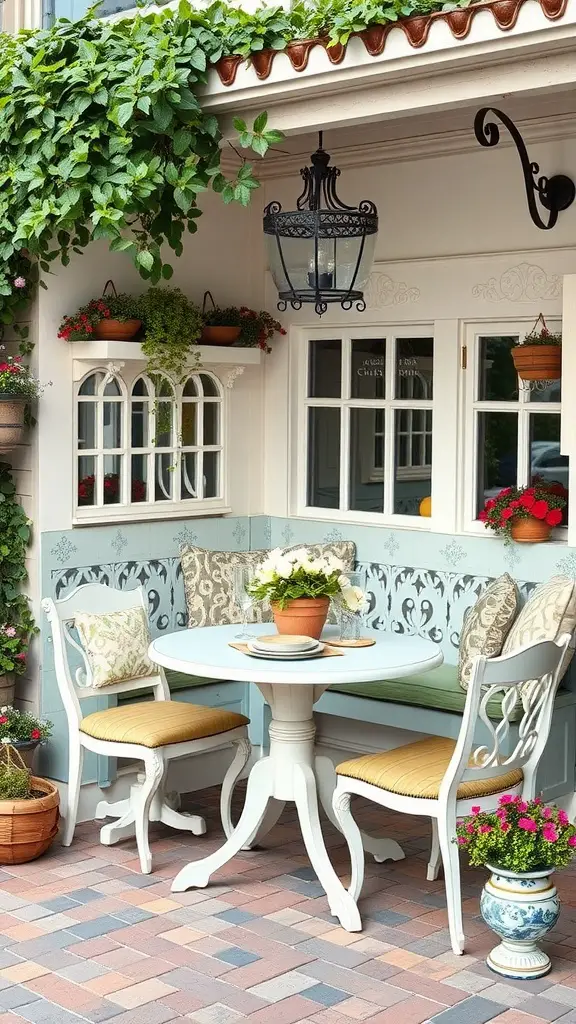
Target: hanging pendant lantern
{"type": "Point", "coordinates": [322, 252]}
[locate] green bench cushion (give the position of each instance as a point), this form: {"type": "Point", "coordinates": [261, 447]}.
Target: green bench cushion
{"type": "Point", "coordinates": [438, 689]}
{"type": "Point", "coordinates": [180, 681]}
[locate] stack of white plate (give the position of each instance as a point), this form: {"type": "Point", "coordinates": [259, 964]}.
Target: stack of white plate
{"type": "Point", "coordinates": [285, 646]}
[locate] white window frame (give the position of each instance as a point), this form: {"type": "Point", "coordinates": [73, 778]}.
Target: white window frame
{"type": "Point", "coordinates": [125, 510]}
{"type": "Point", "coordinates": [444, 453]}
{"type": "Point", "coordinates": [472, 332]}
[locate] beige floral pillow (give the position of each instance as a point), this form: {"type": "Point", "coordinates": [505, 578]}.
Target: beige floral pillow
{"type": "Point", "coordinates": [209, 580]}
{"type": "Point", "coordinates": [116, 645]}
{"type": "Point", "coordinates": [547, 614]}
{"type": "Point", "coordinates": [487, 625]}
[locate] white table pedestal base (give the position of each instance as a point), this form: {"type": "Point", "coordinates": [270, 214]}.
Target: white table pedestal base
{"type": "Point", "coordinates": [164, 808]}
{"type": "Point", "coordinates": [286, 774]}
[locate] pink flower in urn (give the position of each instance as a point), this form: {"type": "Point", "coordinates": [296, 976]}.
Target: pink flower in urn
{"type": "Point", "coordinates": [504, 826]}
{"type": "Point", "coordinates": [476, 809]}
{"type": "Point", "coordinates": [470, 828]}
{"type": "Point", "coordinates": [549, 833]}
{"type": "Point", "coordinates": [522, 806]}
{"type": "Point", "coordinates": [19, 282]}
{"type": "Point", "coordinates": [528, 824]}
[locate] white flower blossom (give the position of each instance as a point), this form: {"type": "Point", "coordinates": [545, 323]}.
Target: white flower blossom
{"type": "Point", "coordinates": [6, 740]}
{"type": "Point", "coordinates": [354, 598]}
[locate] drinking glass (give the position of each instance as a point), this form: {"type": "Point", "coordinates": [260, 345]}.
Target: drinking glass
{"type": "Point", "coordinates": [351, 622]}
{"type": "Point", "coordinates": [244, 600]}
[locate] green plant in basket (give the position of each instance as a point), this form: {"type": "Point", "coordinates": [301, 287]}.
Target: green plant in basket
{"type": "Point", "coordinates": [519, 836]}
{"type": "Point", "coordinates": [284, 577]}
{"type": "Point", "coordinates": [15, 782]}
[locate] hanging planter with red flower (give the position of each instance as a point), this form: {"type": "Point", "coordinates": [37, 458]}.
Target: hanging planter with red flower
{"type": "Point", "coordinates": [539, 356]}
{"type": "Point", "coordinates": [526, 514]}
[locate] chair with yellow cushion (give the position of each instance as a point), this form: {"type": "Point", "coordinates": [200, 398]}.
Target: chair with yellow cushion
{"type": "Point", "coordinates": [101, 638]}
{"type": "Point", "coordinates": [443, 779]}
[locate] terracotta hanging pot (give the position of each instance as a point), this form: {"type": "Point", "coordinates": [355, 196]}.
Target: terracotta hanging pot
{"type": "Point", "coordinates": [374, 39]}
{"type": "Point", "coordinates": [335, 51]}
{"type": "Point", "coordinates": [28, 827]}
{"type": "Point", "coordinates": [459, 21]}
{"type": "Point", "coordinates": [117, 330]}
{"type": "Point", "coordinates": [219, 335]}
{"type": "Point", "coordinates": [530, 531]}
{"type": "Point", "coordinates": [12, 427]}
{"type": "Point", "coordinates": [305, 616]}
{"type": "Point", "coordinates": [538, 362]}
{"type": "Point", "coordinates": [417, 29]}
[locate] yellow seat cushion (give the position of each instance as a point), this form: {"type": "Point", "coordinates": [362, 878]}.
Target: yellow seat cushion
{"type": "Point", "coordinates": [157, 723]}
{"type": "Point", "coordinates": [417, 769]}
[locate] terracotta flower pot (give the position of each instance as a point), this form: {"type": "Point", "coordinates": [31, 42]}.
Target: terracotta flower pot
{"type": "Point", "coordinates": [28, 827]}
{"type": "Point", "coordinates": [220, 335]}
{"type": "Point", "coordinates": [299, 53]}
{"type": "Point", "coordinates": [305, 616]}
{"type": "Point", "coordinates": [335, 51]}
{"type": "Point", "coordinates": [530, 531]}
{"type": "Point", "coordinates": [117, 330]}
{"type": "Point", "coordinates": [12, 425]}
{"type": "Point", "coordinates": [227, 68]}
{"type": "Point", "coordinates": [374, 39]}
{"type": "Point", "coordinates": [538, 362]}
{"type": "Point", "coordinates": [262, 62]}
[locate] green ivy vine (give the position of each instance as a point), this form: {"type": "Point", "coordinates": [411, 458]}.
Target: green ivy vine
{"type": "Point", "coordinates": [14, 541]}
{"type": "Point", "coordinates": [102, 137]}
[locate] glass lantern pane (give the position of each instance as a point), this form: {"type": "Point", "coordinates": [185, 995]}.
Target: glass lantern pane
{"type": "Point", "coordinates": [342, 263]}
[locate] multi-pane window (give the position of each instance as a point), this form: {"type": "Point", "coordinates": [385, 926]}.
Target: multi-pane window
{"type": "Point", "coordinates": [148, 445]}
{"type": "Point", "coordinates": [368, 411]}
{"type": "Point", "coordinates": [514, 428]}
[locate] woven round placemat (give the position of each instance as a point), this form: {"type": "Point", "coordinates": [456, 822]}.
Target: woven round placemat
{"type": "Point", "coordinates": [364, 641]}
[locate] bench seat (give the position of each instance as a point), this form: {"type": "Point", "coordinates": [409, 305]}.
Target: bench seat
{"type": "Point", "coordinates": [439, 689]}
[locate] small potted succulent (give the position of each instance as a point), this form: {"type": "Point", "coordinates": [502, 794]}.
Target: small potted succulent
{"type": "Point", "coordinates": [23, 731]}
{"type": "Point", "coordinates": [18, 387]}
{"type": "Point", "coordinates": [113, 317]}
{"type": "Point", "coordinates": [521, 843]}
{"type": "Point", "coordinates": [29, 810]}
{"type": "Point", "coordinates": [525, 514]}
{"type": "Point", "coordinates": [539, 355]}
{"type": "Point", "coordinates": [299, 589]}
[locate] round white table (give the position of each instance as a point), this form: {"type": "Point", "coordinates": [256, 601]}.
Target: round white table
{"type": "Point", "coordinates": [291, 771]}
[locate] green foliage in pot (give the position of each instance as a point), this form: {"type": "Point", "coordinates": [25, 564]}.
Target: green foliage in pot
{"type": "Point", "coordinates": [172, 327]}
{"type": "Point", "coordinates": [14, 540]}
{"type": "Point", "coordinates": [22, 727]}
{"type": "Point", "coordinates": [520, 836]}
{"type": "Point", "coordinates": [266, 28]}
{"type": "Point", "coordinates": [15, 781]}
{"type": "Point", "coordinates": [102, 136]}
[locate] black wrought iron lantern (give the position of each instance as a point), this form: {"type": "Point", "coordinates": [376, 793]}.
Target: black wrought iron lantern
{"type": "Point", "coordinates": [322, 252]}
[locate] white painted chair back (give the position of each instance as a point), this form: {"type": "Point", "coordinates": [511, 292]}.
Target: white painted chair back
{"type": "Point", "coordinates": [542, 666]}
{"type": "Point", "coordinates": [74, 684]}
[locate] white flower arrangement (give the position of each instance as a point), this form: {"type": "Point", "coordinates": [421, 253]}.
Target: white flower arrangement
{"type": "Point", "coordinates": [287, 576]}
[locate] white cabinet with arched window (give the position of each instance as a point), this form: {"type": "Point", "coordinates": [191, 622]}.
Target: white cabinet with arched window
{"type": "Point", "coordinates": [146, 447]}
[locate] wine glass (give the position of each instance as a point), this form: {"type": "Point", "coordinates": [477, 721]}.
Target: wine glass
{"type": "Point", "coordinates": [350, 621]}
{"type": "Point", "coordinates": [243, 576]}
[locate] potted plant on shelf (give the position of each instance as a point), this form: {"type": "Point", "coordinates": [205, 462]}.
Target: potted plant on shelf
{"type": "Point", "coordinates": [258, 328]}
{"type": "Point", "coordinates": [114, 317]}
{"type": "Point", "coordinates": [299, 589]}
{"type": "Point", "coordinates": [18, 387]}
{"type": "Point", "coordinates": [525, 514]}
{"type": "Point", "coordinates": [172, 328]}
{"type": "Point", "coordinates": [220, 326]}
{"type": "Point", "coordinates": [521, 844]}
{"type": "Point", "coordinates": [23, 731]}
{"type": "Point", "coordinates": [28, 810]}
{"type": "Point", "coordinates": [539, 355]}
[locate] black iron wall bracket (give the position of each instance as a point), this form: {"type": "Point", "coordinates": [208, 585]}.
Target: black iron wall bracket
{"type": "Point", "coordinates": [554, 194]}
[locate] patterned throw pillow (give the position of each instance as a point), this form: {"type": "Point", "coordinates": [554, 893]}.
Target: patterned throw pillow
{"type": "Point", "coordinates": [547, 614]}
{"type": "Point", "coordinates": [487, 625]}
{"type": "Point", "coordinates": [116, 645]}
{"type": "Point", "coordinates": [209, 580]}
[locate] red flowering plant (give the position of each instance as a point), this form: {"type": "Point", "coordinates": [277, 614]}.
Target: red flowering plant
{"type": "Point", "coordinates": [539, 501]}
{"type": "Point", "coordinates": [80, 326]}
{"type": "Point", "coordinates": [519, 836]}
{"type": "Point", "coordinates": [111, 489]}
{"type": "Point", "coordinates": [257, 329]}
{"type": "Point", "coordinates": [17, 381]}
{"type": "Point", "coordinates": [14, 642]}
{"type": "Point", "coordinates": [19, 727]}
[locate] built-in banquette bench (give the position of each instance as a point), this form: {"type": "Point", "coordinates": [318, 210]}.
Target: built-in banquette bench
{"type": "Point", "coordinates": [416, 602]}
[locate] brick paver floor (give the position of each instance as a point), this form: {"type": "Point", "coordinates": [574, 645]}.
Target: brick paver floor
{"type": "Point", "coordinates": [86, 937]}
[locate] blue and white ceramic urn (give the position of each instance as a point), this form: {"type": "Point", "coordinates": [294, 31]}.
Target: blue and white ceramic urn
{"type": "Point", "coordinates": [521, 909]}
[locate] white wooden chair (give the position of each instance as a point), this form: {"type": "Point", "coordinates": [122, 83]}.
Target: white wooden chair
{"type": "Point", "coordinates": [443, 778]}
{"type": "Point", "coordinates": [150, 731]}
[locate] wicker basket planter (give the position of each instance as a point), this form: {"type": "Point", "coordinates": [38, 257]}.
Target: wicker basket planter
{"type": "Point", "coordinates": [28, 827]}
{"type": "Point", "coordinates": [12, 426]}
